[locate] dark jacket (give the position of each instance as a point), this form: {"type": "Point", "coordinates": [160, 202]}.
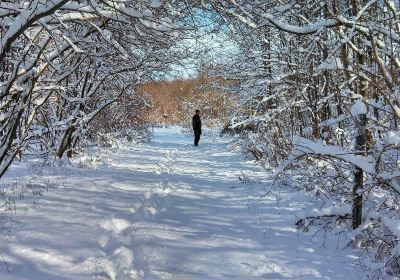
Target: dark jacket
{"type": "Point", "coordinates": [196, 122]}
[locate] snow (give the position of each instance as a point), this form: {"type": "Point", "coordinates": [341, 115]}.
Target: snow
{"type": "Point", "coordinates": [74, 46]}
{"type": "Point", "coordinates": [331, 64]}
{"type": "Point", "coordinates": [168, 210]}
{"type": "Point", "coordinates": [155, 3]}
{"type": "Point", "coordinates": [305, 146]}
{"type": "Point", "coordinates": [326, 211]}
{"type": "Point", "coordinates": [21, 21]}
{"type": "Point", "coordinates": [4, 115]}
{"type": "Point", "coordinates": [358, 108]}
{"type": "Point", "coordinates": [163, 27]}
{"type": "Point", "coordinates": [394, 227]}
{"type": "Point", "coordinates": [392, 138]}
{"type": "Point", "coordinates": [307, 29]}
{"type": "Point", "coordinates": [284, 8]}
{"type": "Point", "coordinates": [396, 110]}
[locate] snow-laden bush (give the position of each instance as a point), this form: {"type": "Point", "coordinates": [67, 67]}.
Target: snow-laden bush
{"type": "Point", "coordinates": [326, 171]}
{"type": "Point", "coordinates": [319, 104]}
{"type": "Point", "coordinates": [64, 62]}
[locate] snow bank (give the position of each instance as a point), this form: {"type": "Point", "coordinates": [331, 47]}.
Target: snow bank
{"type": "Point", "coordinates": [393, 225]}
{"type": "Point", "coordinates": [305, 146]}
{"type": "Point", "coordinates": [358, 108]}
{"type": "Point", "coordinates": [332, 210]}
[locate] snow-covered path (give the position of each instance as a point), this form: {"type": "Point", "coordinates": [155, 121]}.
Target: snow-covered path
{"type": "Point", "coordinates": [167, 210]}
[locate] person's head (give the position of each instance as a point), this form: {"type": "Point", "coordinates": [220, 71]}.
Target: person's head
{"type": "Point", "coordinates": [197, 112]}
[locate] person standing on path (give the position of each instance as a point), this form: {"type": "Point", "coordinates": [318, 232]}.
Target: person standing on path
{"type": "Point", "coordinates": [196, 122]}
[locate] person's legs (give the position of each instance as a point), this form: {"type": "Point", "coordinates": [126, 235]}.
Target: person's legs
{"type": "Point", "coordinates": [196, 139]}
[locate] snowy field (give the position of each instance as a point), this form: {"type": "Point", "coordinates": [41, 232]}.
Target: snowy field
{"type": "Point", "coordinates": [167, 210]}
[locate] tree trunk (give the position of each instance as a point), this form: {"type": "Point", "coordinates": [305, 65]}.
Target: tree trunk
{"type": "Point", "coordinates": [362, 89]}
{"type": "Point", "coordinates": [66, 143]}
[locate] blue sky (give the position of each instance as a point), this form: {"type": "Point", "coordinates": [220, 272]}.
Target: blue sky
{"type": "Point", "coordinates": [208, 45]}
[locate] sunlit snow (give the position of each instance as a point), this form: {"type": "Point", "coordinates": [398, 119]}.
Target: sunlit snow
{"type": "Point", "coordinates": [168, 210]}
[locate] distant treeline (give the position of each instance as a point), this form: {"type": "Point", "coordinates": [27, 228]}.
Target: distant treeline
{"type": "Point", "coordinates": [178, 100]}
